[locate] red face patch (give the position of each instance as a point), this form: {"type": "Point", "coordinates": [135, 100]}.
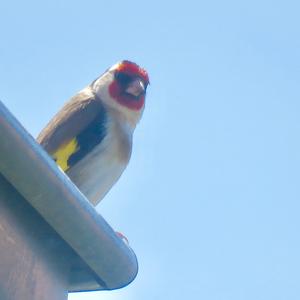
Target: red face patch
{"type": "Point", "coordinates": [116, 89]}
{"type": "Point", "coordinates": [133, 69]}
{"type": "Point", "coordinates": [116, 92]}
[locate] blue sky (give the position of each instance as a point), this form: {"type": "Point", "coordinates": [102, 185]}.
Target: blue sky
{"type": "Point", "coordinates": [210, 199]}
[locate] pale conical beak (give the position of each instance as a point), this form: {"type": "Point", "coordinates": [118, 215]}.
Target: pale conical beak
{"type": "Point", "coordinates": [136, 88]}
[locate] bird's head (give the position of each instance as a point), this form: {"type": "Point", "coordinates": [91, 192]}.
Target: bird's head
{"type": "Point", "coordinates": [123, 88]}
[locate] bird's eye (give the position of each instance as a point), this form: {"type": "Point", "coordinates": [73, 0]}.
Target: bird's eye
{"type": "Point", "coordinates": [123, 79]}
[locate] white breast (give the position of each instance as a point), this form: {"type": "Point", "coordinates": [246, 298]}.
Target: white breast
{"type": "Point", "coordinates": [95, 174]}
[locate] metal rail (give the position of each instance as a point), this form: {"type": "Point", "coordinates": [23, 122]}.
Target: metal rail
{"type": "Point", "coordinates": [27, 167]}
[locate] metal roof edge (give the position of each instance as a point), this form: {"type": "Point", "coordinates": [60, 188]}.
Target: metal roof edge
{"type": "Point", "coordinates": [37, 178]}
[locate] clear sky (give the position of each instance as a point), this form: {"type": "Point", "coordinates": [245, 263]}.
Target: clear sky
{"type": "Point", "coordinates": [210, 199]}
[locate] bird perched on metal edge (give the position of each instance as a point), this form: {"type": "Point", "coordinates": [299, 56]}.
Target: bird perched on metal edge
{"type": "Point", "coordinates": [90, 138]}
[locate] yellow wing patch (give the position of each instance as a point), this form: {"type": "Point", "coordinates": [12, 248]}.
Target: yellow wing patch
{"type": "Point", "coordinates": [62, 154]}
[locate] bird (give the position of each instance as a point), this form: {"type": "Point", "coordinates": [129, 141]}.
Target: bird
{"type": "Point", "coordinates": [90, 138]}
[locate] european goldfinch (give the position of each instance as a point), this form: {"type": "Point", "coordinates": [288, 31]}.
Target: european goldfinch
{"type": "Point", "coordinates": [90, 138]}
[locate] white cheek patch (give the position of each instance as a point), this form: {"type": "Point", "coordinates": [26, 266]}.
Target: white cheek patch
{"type": "Point", "coordinates": [101, 86]}
{"type": "Point", "coordinates": [115, 67]}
